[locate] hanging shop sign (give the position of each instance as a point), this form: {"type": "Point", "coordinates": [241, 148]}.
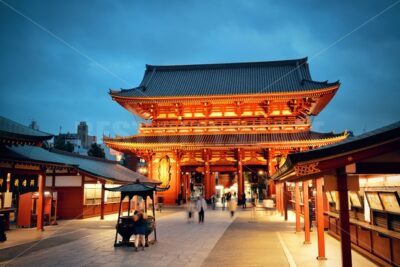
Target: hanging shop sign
{"type": "Point", "coordinates": [23, 183]}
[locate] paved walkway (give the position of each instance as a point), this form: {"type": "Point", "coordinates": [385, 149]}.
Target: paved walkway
{"type": "Point", "coordinates": [258, 238]}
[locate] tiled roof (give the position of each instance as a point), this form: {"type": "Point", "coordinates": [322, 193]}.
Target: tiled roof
{"type": "Point", "coordinates": [226, 139]}
{"type": "Point", "coordinates": [34, 154]}
{"type": "Point", "coordinates": [225, 79]}
{"type": "Point", "coordinates": [349, 145]}
{"type": "Point", "coordinates": [11, 130]}
{"type": "Point", "coordinates": [109, 170]}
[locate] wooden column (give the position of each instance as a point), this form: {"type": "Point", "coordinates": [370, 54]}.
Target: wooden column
{"type": "Point", "coordinates": [306, 214]}
{"type": "Point", "coordinates": [281, 190]}
{"type": "Point", "coordinates": [178, 178]}
{"type": "Point", "coordinates": [40, 202]}
{"type": "Point", "coordinates": [207, 182]}
{"type": "Point", "coordinates": [297, 207]}
{"type": "Point", "coordinates": [184, 189]}
{"type": "Point", "coordinates": [149, 160]}
{"type": "Point", "coordinates": [188, 177]}
{"type": "Point", "coordinates": [240, 174]}
{"type": "Point", "coordinates": [53, 189]}
{"type": "Point", "coordinates": [341, 177]}
{"type": "Point", "coordinates": [320, 220]}
{"type": "Point", "coordinates": [82, 196]}
{"type": "Point", "coordinates": [102, 200]}
{"type": "Point", "coordinates": [277, 198]}
{"type": "Point", "coordinates": [212, 187]}
{"type": "Point", "coordinates": [285, 201]}
{"type": "Point", "coordinates": [207, 172]}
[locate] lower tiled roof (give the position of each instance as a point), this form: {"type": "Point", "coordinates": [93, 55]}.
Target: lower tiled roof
{"type": "Point", "coordinates": [226, 139]}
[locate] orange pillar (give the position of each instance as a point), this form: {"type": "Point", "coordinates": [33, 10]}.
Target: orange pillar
{"type": "Point", "coordinates": [240, 177]}
{"type": "Point", "coordinates": [207, 178]}
{"type": "Point", "coordinates": [188, 178]}
{"type": "Point", "coordinates": [178, 179]}
{"type": "Point", "coordinates": [282, 200]}
{"type": "Point", "coordinates": [277, 197]}
{"type": "Point", "coordinates": [212, 189]}
{"type": "Point", "coordinates": [297, 207]}
{"type": "Point", "coordinates": [320, 220]}
{"type": "Point", "coordinates": [150, 167]}
{"type": "Point", "coordinates": [344, 219]}
{"type": "Point", "coordinates": [285, 202]}
{"type": "Point", "coordinates": [40, 203]}
{"type": "Point", "coordinates": [306, 214]}
{"type": "Point", "coordinates": [102, 200]}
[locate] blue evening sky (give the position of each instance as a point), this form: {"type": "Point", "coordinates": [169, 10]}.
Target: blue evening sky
{"type": "Point", "coordinates": [59, 58]}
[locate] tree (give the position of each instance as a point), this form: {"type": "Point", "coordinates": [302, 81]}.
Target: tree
{"type": "Point", "coordinates": [61, 145]}
{"type": "Point", "coordinates": [96, 151]}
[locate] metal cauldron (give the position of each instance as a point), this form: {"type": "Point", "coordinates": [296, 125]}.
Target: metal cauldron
{"type": "Point", "coordinates": [126, 228]}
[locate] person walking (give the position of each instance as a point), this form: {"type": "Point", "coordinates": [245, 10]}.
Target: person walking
{"type": "Point", "coordinates": [190, 210]}
{"type": "Point", "coordinates": [232, 207]}
{"type": "Point", "coordinates": [213, 200]}
{"type": "Point", "coordinates": [223, 200]}
{"type": "Point", "coordinates": [201, 208]}
{"type": "Point", "coordinates": [244, 200]}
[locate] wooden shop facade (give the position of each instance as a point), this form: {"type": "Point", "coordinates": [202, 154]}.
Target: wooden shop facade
{"type": "Point", "coordinates": [355, 186]}
{"type": "Point", "coordinates": [38, 186]}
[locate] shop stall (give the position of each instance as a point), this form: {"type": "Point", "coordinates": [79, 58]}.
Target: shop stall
{"type": "Point", "coordinates": [360, 180]}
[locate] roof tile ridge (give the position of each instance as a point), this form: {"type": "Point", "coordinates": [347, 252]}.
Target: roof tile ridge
{"type": "Point", "coordinates": [24, 126]}
{"type": "Point", "coordinates": [299, 61]}
{"type": "Point", "coordinates": [71, 154]}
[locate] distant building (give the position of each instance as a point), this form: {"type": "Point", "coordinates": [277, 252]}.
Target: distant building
{"type": "Point", "coordinates": [80, 140]}
{"type": "Point", "coordinates": [34, 125]}
{"type": "Point", "coordinates": [83, 135]}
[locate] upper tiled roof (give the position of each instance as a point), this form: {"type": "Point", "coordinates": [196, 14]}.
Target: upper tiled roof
{"type": "Point", "coordinates": [18, 133]}
{"type": "Point", "coordinates": [226, 139]}
{"type": "Point", "coordinates": [225, 79]}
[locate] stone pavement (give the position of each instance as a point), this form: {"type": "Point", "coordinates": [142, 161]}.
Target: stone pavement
{"type": "Point", "coordinates": [259, 238]}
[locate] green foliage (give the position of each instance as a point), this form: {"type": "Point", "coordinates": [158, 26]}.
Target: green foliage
{"type": "Point", "coordinates": [61, 145]}
{"type": "Point", "coordinates": [96, 151]}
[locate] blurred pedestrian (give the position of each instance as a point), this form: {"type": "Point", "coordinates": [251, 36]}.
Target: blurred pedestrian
{"type": "Point", "coordinates": [232, 207]}
{"type": "Point", "coordinates": [213, 200]}
{"type": "Point", "coordinates": [190, 210]}
{"type": "Point", "coordinates": [201, 208]}
{"type": "Point", "coordinates": [244, 200]}
{"type": "Point", "coordinates": [223, 200]}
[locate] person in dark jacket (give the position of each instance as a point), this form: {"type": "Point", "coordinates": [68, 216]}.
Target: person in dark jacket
{"type": "Point", "coordinates": [140, 230]}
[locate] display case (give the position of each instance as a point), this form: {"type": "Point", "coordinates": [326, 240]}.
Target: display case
{"type": "Point", "coordinates": [357, 209]}
{"type": "Point", "coordinates": [385, 209]}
